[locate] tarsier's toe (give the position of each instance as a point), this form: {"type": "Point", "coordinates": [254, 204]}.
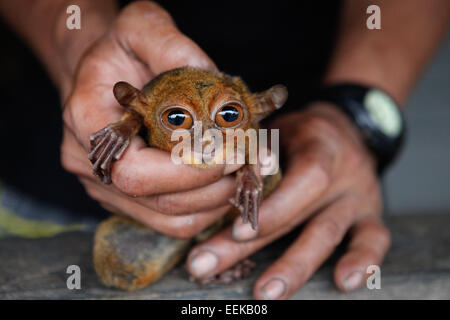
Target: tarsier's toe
{"type": "Point", "coordinates": [237, 272]}
{"type": "Point", "coordinates": [107, 145]}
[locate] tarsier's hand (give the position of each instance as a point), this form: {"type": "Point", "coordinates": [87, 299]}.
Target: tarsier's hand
{"type": "Point", "coordinates": [330, 183]}
{"type": "Point", "coordinates": [147, 186]}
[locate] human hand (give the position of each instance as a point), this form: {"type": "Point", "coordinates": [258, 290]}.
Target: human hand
{"type": "Point", "coordinates": [142, 42]}
{"type": "Point", "coordinates": [330, 184]}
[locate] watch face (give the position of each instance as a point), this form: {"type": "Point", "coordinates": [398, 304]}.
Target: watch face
{"type": "Point", "coordinates": [384, 112]}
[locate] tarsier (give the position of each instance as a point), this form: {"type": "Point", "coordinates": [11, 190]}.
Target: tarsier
{"type": "Point", "coordinates": [129, 255]}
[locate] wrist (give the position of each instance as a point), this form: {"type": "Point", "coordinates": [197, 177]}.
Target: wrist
{"type": "Point", "coordinates": [341, 121]}
{"type": "Point", "coordinates": [374, 113]}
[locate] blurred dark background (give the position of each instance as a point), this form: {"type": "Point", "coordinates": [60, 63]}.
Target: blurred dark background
{"type": "Point", "coordinates": [270, 42]}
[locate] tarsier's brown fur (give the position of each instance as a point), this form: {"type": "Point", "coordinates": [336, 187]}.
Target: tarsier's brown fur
{"type": "Point", "coordinates": [201, 93]}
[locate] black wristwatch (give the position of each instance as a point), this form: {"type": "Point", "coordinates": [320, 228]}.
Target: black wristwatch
{"type": "Point", "coordinates": [375, 114]}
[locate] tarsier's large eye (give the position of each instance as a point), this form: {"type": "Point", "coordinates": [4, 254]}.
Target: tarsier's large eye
{"type": "Point", "coordinates": [177, 118]}
{"type": "Point", "coordinates": [229, 115]}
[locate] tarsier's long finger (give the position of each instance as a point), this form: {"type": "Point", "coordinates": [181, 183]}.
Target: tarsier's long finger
{"type": "Point", "coordinates": [240, 208]}
{"type": "Point", "coordinates": [110, 155]}
{"type": "Point", "coordinates": [104, 153]}
{"type": "Point", "coordinates": [120, 152]}
{"type": "Point", "coordinates": [106, 165]}
{"type": "Point", "coordinates": [237, 203]}
{"type": "Point", "coordinates": [246, 200]}
{"type": "Point", "coordinates": [253, 208]}
{"type": "Point", "coordinates": [108, 145]}
{"type": "Point", "coordinates": [94, 136]}
{"type": "Point", "coordinates": [248, 196]}
{"type": "Point", "coordinates": [95, 147]}
{"type": "Point", "coordinates": [255, 201]}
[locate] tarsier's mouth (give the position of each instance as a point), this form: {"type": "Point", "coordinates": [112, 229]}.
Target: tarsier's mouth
{"type": "Point", "coordinates": [211, 155]}
{"type": "Point", "coordinates": [208, 159]}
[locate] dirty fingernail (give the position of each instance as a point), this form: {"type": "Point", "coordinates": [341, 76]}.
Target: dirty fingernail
{"type": "Point", "coordinates": [353, 281]}
{"type": "Point", "coordinates": [203, 263]}
{"type": "Point", "coordinates": [243, 231]}
{"type": "Point", "coordinates": [273, 289]}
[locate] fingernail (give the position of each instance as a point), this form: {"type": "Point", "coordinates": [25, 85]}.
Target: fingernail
{"type": "Point", "coordinates": [273, 289]}
{"type": "Point", "coordinates": [243, 231]}
{"type": "Point", "coordinates": [353, 281]}
{"type": "Point", "coordinates": [203, 263]}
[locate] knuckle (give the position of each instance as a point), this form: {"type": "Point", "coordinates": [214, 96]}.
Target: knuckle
{"type": "Point", "coordinates": [297, 271]}
{"type": "Point", "coordinates": [93, 192]}
{"type": "Point", "coordinates": [147, 10]}
{"type": "Point", "coordinates": [321, 174]}
{"type": "Point", "coordinates": [76, 111]}
{"type": "Point", "coordinates": [358, 158]}
{"type": "Point", "coordinates": [316, 124]}
{"type": "Point", "coordinates": [167, 204]}
{"type": "Point", "coordinates": [176, 45]}
{"type": "Point", "coordinates": [377, 237]}
{"type": "Point", "coordinates": [329, 230]}
{"type": "Point", "coordinates": [142, 7]}
{"type": "Point", "coordinates": [183, 51]}
{"type": "Point", "coordinates": [384, 235]}
{"type": "Point", "coordinates": [126, 184]}
{"type": "Point", "coordinates": [66, 160]}
{"type": "Point", "coordinates": [215, 175]}
{"type": "Point", "coordinates": [68, 114]}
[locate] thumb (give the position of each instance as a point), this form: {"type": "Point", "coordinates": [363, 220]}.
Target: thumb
{"type": "Point", "coordinates": [150, 33]}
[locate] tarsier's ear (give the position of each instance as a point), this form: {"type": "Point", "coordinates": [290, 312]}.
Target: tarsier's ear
{"type": "Point", "coordinates": [268, 101]}
{"type": "Point", "coordinates": [130, 98]}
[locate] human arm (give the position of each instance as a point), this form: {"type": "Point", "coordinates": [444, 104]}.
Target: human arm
{"type": "Point", "coordinates": [330, 183]}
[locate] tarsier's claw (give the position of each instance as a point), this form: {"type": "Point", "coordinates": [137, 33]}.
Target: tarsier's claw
{"type": "Point", "coordinates": [238, 271]}
{"type": "Point", "coordinates": [107, 145]}
{"type": "Point", "coordinates": [248, 195]}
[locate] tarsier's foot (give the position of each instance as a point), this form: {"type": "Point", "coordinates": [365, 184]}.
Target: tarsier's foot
{"type": "Point", "coordinates": [238, 271]}
{"type": "Point", "coordinates": [108, 145]}
{"type": "Point", "coordinates": [249, 194]}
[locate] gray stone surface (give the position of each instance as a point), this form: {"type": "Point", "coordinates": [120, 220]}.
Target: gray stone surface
{"type": "Point", "coordinates": [417, 267]}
